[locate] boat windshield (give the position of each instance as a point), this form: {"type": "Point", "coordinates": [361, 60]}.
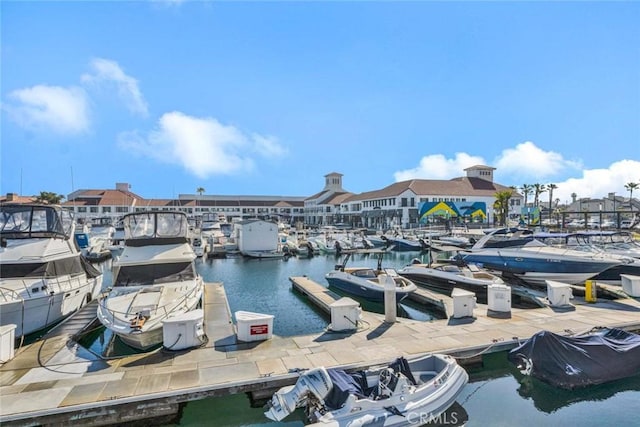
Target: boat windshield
{"type": "Point", "coordinates": [32, 221]}
{"type": "Point", "coordinates": [154, 274]}
{"type": "Point", "coordinates": [147, 225]}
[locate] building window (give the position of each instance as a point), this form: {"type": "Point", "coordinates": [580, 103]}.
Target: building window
{"type": "Point", "coordinates": [403, 202]}
{"type": "Point", "coordinates": [106, 209]}
{"type": "Point", "coordinates": [82, 209]}
{"type": "Point", "coordinates": [93, 209]}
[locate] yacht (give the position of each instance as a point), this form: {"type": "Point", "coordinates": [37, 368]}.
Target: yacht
{"type": "Point", "coordinates": [154, 278]}
{"type": "Point", "coordinates": [533, 261]}
{"type": "Point", "coordinates": [43, 276]}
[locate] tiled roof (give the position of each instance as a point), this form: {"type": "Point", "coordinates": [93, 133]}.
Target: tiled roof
{"type": "Point", "coordinates": [103, 198]}
{"type": "Point", "coordinates": [463, 186]}
{"type": "Point", "coordinates": [335, 199]}
{"type": "Point", "coordinates": [17, 199]}
{"type": "Point", "coordinates": [317, 195]}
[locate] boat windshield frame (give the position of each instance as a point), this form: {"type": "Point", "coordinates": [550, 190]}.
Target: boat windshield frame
{"type": "Point", "coordinates": [29, 221]}
{"type": "Point", "coordinates": [155, 227]}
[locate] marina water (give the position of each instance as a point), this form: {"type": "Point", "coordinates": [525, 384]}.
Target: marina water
{"type": "Point", "coordinates": [497, 394]}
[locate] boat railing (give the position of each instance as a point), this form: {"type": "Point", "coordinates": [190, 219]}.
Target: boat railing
{"type": "Point", "coordinates": [40, 286]}
{"type": "Point", "coordinates": [160, 311]}
{"type": "Point", "coordinates": [7, 295]}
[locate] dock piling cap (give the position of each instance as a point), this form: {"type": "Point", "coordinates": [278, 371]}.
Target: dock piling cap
{"type": "Point", "coordinates": [345, 302]}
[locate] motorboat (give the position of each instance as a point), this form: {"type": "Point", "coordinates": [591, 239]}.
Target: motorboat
{"type": "Point", "coordinates": [275, 254]}
{"type": "Point", "coordinates": [200, 246]}
{"type": "Point", "coordinates": [444, 278]}
{"type": "Point", "coordinates": [586, 242]}
{"type": "Point", "coordinates": [534, 262]}
{"type": "Point", "coordinates": [402, 244]}
{"type": "Point", "coordinates": [153, 280]}
{"type": "Point", "coordinates": [43, 276]}
{"type": "Point", "coordinates": [595, 357]}
{"type": "Point", "coordinates": [367, 282]}
{"type": "Point", "coordinates": [402, 393]}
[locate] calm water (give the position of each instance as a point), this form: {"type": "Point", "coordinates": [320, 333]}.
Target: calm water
{"type": "Point", "coordinates": [497, 395]}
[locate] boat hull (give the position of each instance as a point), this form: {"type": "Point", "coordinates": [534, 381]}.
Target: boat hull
{"type": "Point", "coordinates": [446, 284]}
{"type": "Point", "coordinates": [535, 268]}
{"type": "Point", "coordinates": [361, 289]}
{"type": "Point", "coordinates": [33, 314]}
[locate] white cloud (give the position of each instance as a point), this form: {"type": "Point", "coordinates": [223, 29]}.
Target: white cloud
{"type": "Point", "coordinates": [598, 183]}
{"type": "Point", "coordinates": [527, 160]}
{"type": "Point", "coordinates": [528, 164]}
{"type": "Point", "coordinates": [268, 146]}
{"type": "Point", "coordinates": [107, 73]}
{"type": "Point", "coordinates": [59, 109]}
{"type": "Point", "coordinates": [203, 146]}
{"type": "Point", "coordinates": [437, 166]}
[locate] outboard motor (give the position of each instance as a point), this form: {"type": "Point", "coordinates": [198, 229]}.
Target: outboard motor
{"type": "Point", "coordinates": [315, 381]}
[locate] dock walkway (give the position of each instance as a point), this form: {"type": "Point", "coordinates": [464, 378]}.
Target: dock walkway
{"type": "Point", "coordinates": [56, 381]}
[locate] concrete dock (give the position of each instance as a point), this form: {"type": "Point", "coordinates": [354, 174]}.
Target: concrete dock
{"type": "Point", "coordinates": [57, 382]}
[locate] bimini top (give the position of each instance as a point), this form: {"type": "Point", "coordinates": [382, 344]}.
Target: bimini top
{"type": "Point", "coordinates": [155, 228]}
{"type": "Point", "coordinates": [31, 220]}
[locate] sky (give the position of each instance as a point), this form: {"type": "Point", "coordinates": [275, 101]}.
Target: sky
{"type": "Point", "coordinates": [266, 98]}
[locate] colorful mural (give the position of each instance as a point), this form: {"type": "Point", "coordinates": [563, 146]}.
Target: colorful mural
{"type": "Point", "coordinates": [530, 216]}
{"type": "Point", "coordinates": [452, 209]}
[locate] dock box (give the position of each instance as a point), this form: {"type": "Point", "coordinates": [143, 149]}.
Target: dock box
{"type": "Point", "coordinates": [183, 331]}
{"type": "Point", "coordinates": [463, 303]}
{"type": "Point", "coordinates": [7, 342]}
{"type": "Point", "coordinates": [253, 326]}
{"type": "Point", "coordinates": [345, 314]}
{"type": "Point", "coordinates": [499, 298]}
{"type": "Point", "coordinates": [631, 285]}
{"type": "Point", "coordinates": [559, 294]}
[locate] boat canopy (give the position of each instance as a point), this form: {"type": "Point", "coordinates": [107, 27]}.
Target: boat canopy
{"type": "Point", "coordinates": [28, 221]}
{"type": "Point", "coordinates": [148, 228]}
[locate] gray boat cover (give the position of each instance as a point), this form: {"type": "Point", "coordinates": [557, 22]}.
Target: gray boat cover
{"type": "Point", "coordinates": [576, 361]}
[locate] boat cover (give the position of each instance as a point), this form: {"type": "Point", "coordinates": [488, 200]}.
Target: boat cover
{"type": "Point", "coordinates": [581, 360]}
{"type": "Point", "coordinates": [344, 384]}
{"type": "Point", "coordinates": [355, 383]}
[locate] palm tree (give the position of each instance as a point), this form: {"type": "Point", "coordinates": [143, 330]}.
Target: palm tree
{"type": "Point", "coordinates": [551, 187]}
{"type": "Point", "coordinates": [49, 198]}
{"type": "Point", "coordinates": [631, 186]}
{"type": "Point", "coordinates": [200, 190]}
{"type": "Point", "coordinates": [538, 189]}
{"type": "Point", "coordinates": [526, 190]}
{"type": "Point", "coordinates": [501, 204]}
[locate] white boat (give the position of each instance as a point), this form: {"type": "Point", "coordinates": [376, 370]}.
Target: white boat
{"type": "Point", "coordinates": [44, 278]}
{"type": "Point", "coordinates": [264, 254]}
{"type": "Point", "coordinates": [403, 393]}
{"type": "Point", "coordinates": [153, 280]}
{"type": "Point", "coordinates": [200, 246]}
{"type": "Point", "coordinates": [444, 278]}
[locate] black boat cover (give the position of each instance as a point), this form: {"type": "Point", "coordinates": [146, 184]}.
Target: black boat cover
{"type": "Point", "coordinates": [344, 384]}
{"type": "Point", "coordinates": [581, 360]}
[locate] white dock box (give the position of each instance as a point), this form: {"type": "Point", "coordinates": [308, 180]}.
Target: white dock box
{"type": "Point", "coordinates": [183, 331]}
{"type": "Point", "coordinates": [631, 285]}
{"type": "Point", "coordinates": [499, 298]}
{"type": "Point", "coordinates": [7, 342]}
{"type": "Point", "coordinates": [345, 314]}
{"type": "Point", "coordinates": [254, 326]}
{"type": "Point", "coordinates": [463, 303]}
{"type": "Point", "coordinates": [559, 294]}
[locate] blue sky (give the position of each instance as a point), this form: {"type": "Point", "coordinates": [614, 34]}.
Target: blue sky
{"type": "Point", "coordinates": [265, 98]}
